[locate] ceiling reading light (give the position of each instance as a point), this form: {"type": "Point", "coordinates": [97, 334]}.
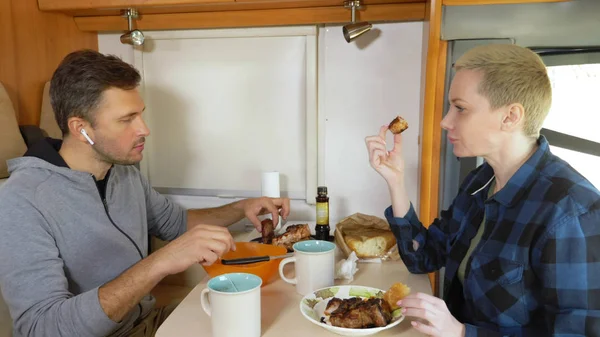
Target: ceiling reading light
{"type": "Point", "coordinates": [354, 29]}
{"type": "Point", "coordinates": [132, 37]}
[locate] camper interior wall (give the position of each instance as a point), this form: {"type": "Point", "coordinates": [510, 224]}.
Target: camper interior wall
{"type": "Point", "coordinates": [361, 88]}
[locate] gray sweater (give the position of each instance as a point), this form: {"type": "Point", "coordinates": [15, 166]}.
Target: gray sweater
{"type": "Point", "coordinates": [59, 244]}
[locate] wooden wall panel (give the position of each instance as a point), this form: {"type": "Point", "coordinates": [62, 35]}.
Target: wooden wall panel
{"type": "Point", "coordinates": [32, 43]}
{"type": "Point", "coordinates": [53, 5]}
{"type": "Point", "coordinates": [493, 2]}
{"type": "Point", "coordinates": [8, 66]}
{"type": "Point", "coordinates": [434, 72]}
{"type": "Point", "coordinates": [109, 7]}
{"type": "Point", "coordinates": [41, 41]}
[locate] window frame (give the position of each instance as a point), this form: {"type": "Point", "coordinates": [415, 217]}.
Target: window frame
{"type": "Point", "coordinates": [557, 56]}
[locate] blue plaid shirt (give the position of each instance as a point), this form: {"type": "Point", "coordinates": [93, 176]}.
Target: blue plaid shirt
{"type": "Point", "coordinates": [536, 270]}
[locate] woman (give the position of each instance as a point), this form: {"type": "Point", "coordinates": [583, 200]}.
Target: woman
{"type": "Point", "coordinates": [521, 240]}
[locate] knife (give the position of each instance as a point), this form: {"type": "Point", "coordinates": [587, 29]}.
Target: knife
{"type": "Point", "coordinates": [254, 259]}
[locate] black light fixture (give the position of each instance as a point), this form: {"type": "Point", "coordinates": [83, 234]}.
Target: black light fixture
{"type": "Point", "coordinates": [355, 29]}
{"type": "Point", "coordinates": [132, 37]}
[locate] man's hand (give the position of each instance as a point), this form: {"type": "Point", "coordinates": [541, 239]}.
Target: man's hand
{"type": "Point", "coordinates": [433, 310]}
{"type": "Point", "coordinates": [202, 244]}
{"type": "Point", "coordinates": [260, 206]}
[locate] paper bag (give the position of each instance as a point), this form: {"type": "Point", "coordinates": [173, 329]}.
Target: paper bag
{"type": "Point", "coordinates": [359, 224]}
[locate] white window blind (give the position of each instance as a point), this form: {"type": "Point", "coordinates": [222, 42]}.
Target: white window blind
{"type": "Point", "coordinates": [225, 105]}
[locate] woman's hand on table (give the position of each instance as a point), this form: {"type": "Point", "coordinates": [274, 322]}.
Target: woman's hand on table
{"type": "Point", "coordinates": [433, 310]}
{"type": "Point", "coordinates": [259, 206]}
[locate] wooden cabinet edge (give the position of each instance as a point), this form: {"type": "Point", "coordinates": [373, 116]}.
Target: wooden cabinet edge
{"type": "Point", "coordinates": [494, 2]}
{"type": "Point", "coordinates": [255, 18]}
{"type": "Point", "coordinates": [70, 5]}
{"type": "Point", "coordinates": [112, 7]}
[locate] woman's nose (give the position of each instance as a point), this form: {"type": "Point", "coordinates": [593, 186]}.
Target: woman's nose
{"type": "Point", "coordinates": [446, 122]}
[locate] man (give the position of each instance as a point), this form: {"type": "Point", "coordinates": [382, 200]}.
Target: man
{"type": "Point", "coordinates": [75, 215]}
{"type": "Point", "coordinates": [519, 242]}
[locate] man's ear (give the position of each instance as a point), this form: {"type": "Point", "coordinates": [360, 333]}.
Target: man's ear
{"type": "Point", "coordinates": [514, 116]}
{"type": "Point", "coordinates": [76, 124]}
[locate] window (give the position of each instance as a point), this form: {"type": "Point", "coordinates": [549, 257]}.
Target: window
{"type": "Point", "coordinates": [572, 124]}
{"type": "Point", "coordinates": [584, 163]}
{"type": "Point", "coordinates": [576, 101]}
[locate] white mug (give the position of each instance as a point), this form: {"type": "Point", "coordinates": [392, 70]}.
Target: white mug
{"type": "Point", "coordinates": [233, 303]}
{"type": "Point", "coordinates": [314, 262]}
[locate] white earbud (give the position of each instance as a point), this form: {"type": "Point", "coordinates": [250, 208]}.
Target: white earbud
{"type": "Point", "coordinates": [87, 137]}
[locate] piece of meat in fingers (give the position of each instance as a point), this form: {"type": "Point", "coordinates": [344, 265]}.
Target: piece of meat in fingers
{"type": "Point", "coordinates": [268, 232]}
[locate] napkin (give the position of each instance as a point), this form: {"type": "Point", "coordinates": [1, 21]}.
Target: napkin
{"type": "Point", "coordinates": [345, 269]}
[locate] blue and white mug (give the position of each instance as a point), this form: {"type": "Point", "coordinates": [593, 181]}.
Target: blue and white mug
{"type": "Point", "coordinates": [233, 303]}
{"type": "Point", "coordinates": [314, 264]}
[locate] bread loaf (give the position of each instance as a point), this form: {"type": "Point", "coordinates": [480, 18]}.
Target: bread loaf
{"type": "Point", "coordinates": [371, 242]}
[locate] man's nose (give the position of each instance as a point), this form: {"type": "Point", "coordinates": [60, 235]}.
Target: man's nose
{"type": "Point", "coordinates": [143, 130]}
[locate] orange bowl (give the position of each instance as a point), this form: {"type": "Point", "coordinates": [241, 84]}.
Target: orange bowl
{"type": "Point", "coordinates": [265, 270]}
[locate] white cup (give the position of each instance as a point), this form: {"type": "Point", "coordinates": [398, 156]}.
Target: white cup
{"type": "Point", "coordinates": [314, 262]}
{"type": "Point", "coordinates": [270, 188]}
{"type": "Point", "coordinates": [233, 303]}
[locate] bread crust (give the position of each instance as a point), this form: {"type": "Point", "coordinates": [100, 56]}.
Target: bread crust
{"type": "Point", "coordinates": [370, 243]}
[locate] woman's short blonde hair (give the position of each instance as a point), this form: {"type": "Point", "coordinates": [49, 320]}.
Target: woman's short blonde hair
{"type": "Point", "coordinates": [512, 74]}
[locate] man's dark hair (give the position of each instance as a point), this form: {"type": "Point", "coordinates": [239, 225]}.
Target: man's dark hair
{"type": "Point", "coordinates": [78, 83]}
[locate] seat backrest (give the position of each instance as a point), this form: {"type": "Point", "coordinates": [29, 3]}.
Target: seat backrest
{"type": "Point", "coordinates": [47, 119]}
{"type": "Point", "coordinates": [12, 144]}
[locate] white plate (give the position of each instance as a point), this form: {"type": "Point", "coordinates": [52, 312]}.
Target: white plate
{"type": "Point", "coordinates": [314, 304]}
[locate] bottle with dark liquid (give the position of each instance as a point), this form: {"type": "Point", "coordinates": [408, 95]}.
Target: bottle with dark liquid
{"type": "Point", "coordinates": [322, 227]}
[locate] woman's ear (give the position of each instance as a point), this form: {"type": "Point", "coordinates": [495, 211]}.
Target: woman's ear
{"type": "Point", "coordinates": [514, 117]}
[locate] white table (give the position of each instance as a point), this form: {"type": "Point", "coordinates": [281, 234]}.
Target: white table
{"type": "Point", "coordinates": [280, 303]}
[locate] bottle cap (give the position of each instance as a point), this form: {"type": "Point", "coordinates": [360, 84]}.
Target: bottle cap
{"type": "Point", "coordinates": [322, 189]}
